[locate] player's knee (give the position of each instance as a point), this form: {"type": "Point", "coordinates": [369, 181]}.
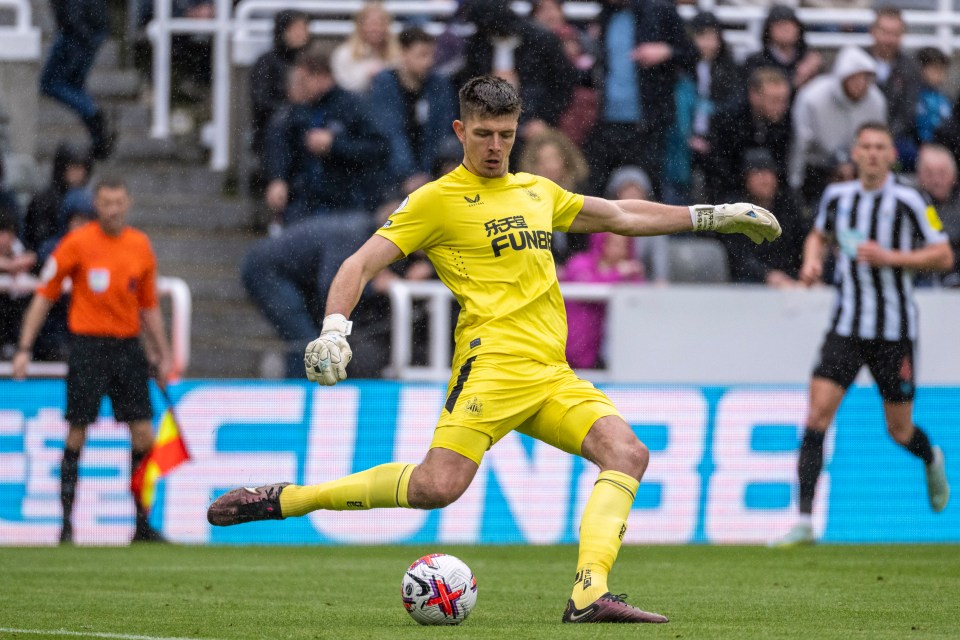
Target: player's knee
{"type": "Point", "coordinates": [637, 459]}
{"type": "Point", "coordinates": [901, 433]}
{"type": "Point", "coordinates": [436, 494]}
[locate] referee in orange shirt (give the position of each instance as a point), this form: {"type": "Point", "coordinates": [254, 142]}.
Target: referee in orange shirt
{"type": "Point", "coordinates": [114, 275]}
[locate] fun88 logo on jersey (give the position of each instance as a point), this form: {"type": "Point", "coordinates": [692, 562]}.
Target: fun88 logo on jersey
{"type": "Point", "coordinates": [512, 232]}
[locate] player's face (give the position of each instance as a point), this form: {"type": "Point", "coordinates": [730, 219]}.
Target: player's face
{"type": "Point", "coordinates": [874, 154]}
{"type": "Point", "coordinates": [487, 142]}
{"type": "Point", "coordinates": [112, 205]}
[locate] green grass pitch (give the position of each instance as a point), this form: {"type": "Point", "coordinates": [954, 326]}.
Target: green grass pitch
{"type": "Point", "coordinates": [225, 593]}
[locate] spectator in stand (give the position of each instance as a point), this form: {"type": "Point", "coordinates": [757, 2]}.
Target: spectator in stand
{"type": "Point", "coordinates": [413, 106]}
{"type": "Point", "coordinates": [608, 260]}
{"type": "Point", "coordinates": [82, 26]}
{"type": "Point", "coordinates": [643, 46]}
{"type": "Point", "coordinates": [826, 115]}
{"type": "Point", "coordinates": [633, 183]}
{"type": "Point", "coordinates": [933, 105]}
{"type": "Point", "coordinates": [937, 177]}
{"type": "Point", "coordinates": [526, 55]}
{"type": "Point", "coordinates": [15, 262]}
{"type": "Point", "coordinates": [784, 47]}
{"type": "Point", "coordinates": [8, 199]}
{"type": "Point", "coordinates": [762, 123]}
{"type": "Point", "coordinates": [710, 93]}
{"type": "Point", "coordinates": [370, 49]}
{"type": "Point", "coordinates": [555, 157]}
{"type": "Point", "coordinates": [581, 50]}
{"type": "Point", "coordinates": [898, 77]}
{"type": "Point", "coordinates": [775, 265]}
{"type": "Point", "coordinates": [322, 153]}
{"type": "Point", "coordinates": [269, 78]}
{"type": "Point", "coordinates": [71, 170]}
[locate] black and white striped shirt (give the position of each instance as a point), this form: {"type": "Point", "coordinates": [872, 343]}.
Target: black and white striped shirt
{"type": "Point", "coordinates": [876, 302]}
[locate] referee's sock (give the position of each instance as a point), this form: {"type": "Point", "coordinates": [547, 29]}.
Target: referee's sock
{"type": "Point", "coordinates": [69, 470]}
{"type": "Point", "coordinates": [381, 486]}
{"type": "Point", "coordinates": [919, 445]}
{"type": "Point", "coordinates": [809, 467]}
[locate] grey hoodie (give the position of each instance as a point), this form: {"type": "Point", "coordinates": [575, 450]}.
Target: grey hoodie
{"type": "Point", "coordinates": [825, 120]}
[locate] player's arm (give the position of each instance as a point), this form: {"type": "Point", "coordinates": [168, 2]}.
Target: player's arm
{"type": "Point", "coordinates": [30, 326]}
{"type": "Point", "coordinates": [932, 257]}
{"type": "Point", "coordinates": [327, 357]}
{"type": "Point", "coordinates": [646, 218]}
{"type": "Point", "coordinates": [158, 345]}
{"type": "Point", "coordinates": [814, 250]}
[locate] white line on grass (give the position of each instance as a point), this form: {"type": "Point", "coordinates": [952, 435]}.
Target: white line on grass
{"type": "Point", "coordinates": [87, 634]}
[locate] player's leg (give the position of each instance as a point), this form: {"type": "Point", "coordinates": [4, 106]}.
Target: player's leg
{"type": "Point", "coordinates": [891, 364]}
{"type": "Point", "coordinates": [69, 472]}
{"type": "Point", "coordinates": [840, 360]}
{"type": "Point", "coordinates": [86, 385]}
{"type": "Point", "coordinates": [579, 419]}
{"type": "Point", "coordinates": [129, 392]}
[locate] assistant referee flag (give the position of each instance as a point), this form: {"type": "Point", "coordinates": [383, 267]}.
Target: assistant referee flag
{"type": "Point", "coordinates": [168, 451]}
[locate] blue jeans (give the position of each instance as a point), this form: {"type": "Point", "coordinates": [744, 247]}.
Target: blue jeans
{"type": "Point", "coordinates": [66, 70]}
{"type": "Point", "coordinates": [288, 277]}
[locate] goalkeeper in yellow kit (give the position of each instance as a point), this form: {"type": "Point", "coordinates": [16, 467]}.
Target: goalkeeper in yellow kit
{"type": "Point", "coordinates": [488, 235]}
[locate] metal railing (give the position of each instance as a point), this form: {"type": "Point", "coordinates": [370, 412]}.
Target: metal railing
{"type": "Point", "coordinates": [241, 37]}
{"type": "Point", "coordinates": [403, 294]}
{"type": "Point", "coordinates": [181, 307]}
{"type": "Point", "coordinates": [21, 40]}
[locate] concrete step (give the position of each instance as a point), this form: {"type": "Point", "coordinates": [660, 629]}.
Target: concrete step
{"type": "Point", "coordinates": [165, 179]}
{"type": "Point", "coordinates": [238, 321]}
{"type": "Point", "coordinates": [186, 211]}
{"type": "Point", "coordinates": [114, 84]}
{"type": "Point", "coordinates": [127, 116]}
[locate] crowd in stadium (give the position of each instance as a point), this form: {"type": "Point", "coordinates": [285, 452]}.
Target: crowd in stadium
{"type": "Point", "coordinates": [635, 104]}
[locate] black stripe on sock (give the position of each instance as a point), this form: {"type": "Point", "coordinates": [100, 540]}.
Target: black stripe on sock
{"type": "Point", "coordinates": [625, 488]}
{"type": "Point", "coordinates": [409, 467]}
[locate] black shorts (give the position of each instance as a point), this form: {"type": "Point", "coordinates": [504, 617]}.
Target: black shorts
{"type": "Point", "coordinates": [111, 367]}
{"type": "Point", "coordinates": [890, 363]}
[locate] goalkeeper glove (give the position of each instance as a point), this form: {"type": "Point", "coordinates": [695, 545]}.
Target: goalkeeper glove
{"type": "Point", "coordinates": [755, 222]}
{"type": "Point", "coordinates": [327, 357]}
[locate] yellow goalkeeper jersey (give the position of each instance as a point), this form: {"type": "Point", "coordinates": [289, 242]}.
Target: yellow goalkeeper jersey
{"type": "Point", "coordinates": [489, 241]}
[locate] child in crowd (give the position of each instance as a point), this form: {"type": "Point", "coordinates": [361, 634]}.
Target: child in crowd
{"type": "Point", "coordinates": [609, 259]}
{"type": "Point", "coordinates": [933, 105]}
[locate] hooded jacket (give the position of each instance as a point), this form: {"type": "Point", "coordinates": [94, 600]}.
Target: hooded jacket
{"type": "Point", "coordinates": [268, 77]}
{"type": "Point", "coordinates": [765, 57]}
{"type": "Point", "coordinates": [43, 213]}
{"type": "Point", "coordinates": [825, 119]}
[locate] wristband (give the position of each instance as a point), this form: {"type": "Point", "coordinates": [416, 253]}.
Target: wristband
{"type": "Point", "coordinates": [701, 217]}
{"type": "Point", "coordinates": [338, 323]}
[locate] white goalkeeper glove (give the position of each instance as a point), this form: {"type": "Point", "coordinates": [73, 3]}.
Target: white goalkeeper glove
{"type": "Point", "coordinates": [755, 222]}
{"type": "Point", "coordinates": [327, 357]}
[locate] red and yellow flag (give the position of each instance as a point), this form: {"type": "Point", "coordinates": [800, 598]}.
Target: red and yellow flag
{"type": "Point", "coordinates": [168, 451]}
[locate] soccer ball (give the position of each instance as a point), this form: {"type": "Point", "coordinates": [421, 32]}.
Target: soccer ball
{"type": "Point", "coordinates": [439, 589]}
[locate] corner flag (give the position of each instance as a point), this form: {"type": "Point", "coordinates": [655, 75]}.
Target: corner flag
{"type": "Point", "coordinates": [168, 451]}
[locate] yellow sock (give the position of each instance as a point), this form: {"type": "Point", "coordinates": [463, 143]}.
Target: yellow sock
{"type": "Point", "coordinates": [381, 486]}
{"type": "Point", "coordinates": [601, 532]}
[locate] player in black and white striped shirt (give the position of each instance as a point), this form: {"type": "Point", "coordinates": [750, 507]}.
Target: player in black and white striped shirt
{"type": "Point", "coordinates": [886, 231]}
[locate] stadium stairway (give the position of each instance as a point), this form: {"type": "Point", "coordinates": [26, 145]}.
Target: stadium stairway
{"type": "Point", "coordinates": [199, 232]}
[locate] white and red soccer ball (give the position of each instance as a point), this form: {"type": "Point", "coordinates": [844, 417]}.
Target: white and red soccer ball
{"type": "Point", "coordinates": [439, 589]}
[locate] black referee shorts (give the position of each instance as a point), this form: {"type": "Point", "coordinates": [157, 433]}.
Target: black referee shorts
{"type": "Point", "coordinates": [890, 363]}
{"type": "Point", "coordinates": [114, 367]}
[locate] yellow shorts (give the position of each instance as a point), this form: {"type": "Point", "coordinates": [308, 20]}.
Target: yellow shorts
{"type": "Point", "coordinates": [492, 395]}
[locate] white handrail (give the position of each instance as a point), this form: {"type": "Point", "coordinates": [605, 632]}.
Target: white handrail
{"type": "Point", "coordinates": [181, 306]}
{"type": "Point", "coordinates": [237, 37]}
{"type": "Point", "coordinates": [21, 40]}
{"type": "Point", "coordinates": [403, 293]}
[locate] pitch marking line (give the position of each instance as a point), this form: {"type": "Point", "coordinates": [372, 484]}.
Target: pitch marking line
{"type": "Point", "coordinates": [88, 634]}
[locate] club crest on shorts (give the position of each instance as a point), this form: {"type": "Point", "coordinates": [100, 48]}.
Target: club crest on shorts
{"type": "Point", "coordinates": [474, 407]}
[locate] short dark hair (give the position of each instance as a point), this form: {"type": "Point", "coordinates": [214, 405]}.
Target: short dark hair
{"type": "Point", "coordinates": [110, 182]}
{"type": "Point", "coordinates": [488, 96]}
{"type": "Point", "coordinates": [414, 35]}
{"type": "Point", "coordinates": [874, 125]}
{"type": "Point", "coordinates": [763, 76]}
{"type": "Point", "coordinates": [888, 11]}
{"type": "Point", "coordinates": [928, 56]}
{"type": "Point", "coordinates": [315, 59]}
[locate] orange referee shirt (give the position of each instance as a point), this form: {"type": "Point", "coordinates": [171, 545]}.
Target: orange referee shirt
{"type": "Point", "coordinates": [114, 278]}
